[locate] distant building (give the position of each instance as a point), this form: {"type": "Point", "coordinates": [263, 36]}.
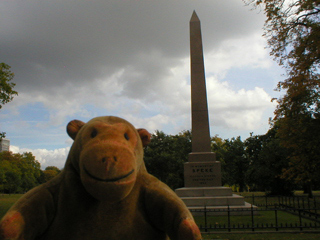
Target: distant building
{"type": "Point", "coordinates": [4, 145]}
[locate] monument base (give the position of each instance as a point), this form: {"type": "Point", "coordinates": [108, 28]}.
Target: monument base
{"type": "Point", "coordinates": [218, 199]}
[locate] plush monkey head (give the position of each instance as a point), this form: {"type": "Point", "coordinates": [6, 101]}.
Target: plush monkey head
{"type": "Point", "coordinates": [107, 154]}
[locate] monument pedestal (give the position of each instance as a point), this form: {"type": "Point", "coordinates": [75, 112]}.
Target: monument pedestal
{"type": "Point", "coordinates": [213, 198]}
{"type": "Point", "coordinates": [202, 179]}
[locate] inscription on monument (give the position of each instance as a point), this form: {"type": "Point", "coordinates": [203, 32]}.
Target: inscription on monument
{"type": "Point", "coordinates": [204, 174]}
{"type": "Point", "coordinates": [202, 169]}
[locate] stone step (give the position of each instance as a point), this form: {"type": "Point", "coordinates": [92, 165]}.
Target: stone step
{"type": "Point", "coordinates": [203, 191]}
{"type": "Point", "coordinates": [234, 200]}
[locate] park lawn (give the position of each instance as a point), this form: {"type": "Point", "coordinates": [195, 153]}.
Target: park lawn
{"type": "Point", "coordinates": [6, 201]}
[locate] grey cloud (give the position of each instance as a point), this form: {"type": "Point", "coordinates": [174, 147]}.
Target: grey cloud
{"type": "Point", "coordinates": [50, 43]}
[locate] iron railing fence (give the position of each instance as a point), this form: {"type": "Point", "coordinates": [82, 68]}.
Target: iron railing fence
{"type": "Point", "coordinates": [295, 201]}
{"type": "Point", "coordinates": [303, 221]}
{"type": "Point", "coordinates": [308, 207]}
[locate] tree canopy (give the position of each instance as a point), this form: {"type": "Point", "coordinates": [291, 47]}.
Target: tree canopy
{"type": "Point", "coordinates": [21, 172]}
{"type": "Point", "coordinates": [267, 159]}
{"type": "Point", "coordinates": [235, 163]}
{"type": "Point", "coordinates": [165, 155]}
{"type": "Point", "coordinates": [256, 163]}
{"type": "Point", "coordinates": [292, 29]}
{"type": "Point", "coordinates": [6, 87]}
{"type": "Point", "coordinates": [18, 172]}
{"type": "Point", "coordinates": [49, 173]}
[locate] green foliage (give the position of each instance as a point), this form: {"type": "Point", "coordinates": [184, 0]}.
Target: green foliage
{"type": "Point", "coordinates": [267, 159]}
{"type": "Point", "coordinates": [6, 88]}
{"type": "Point", "coordinates": [165, 155]}
{"type": "Point", "coordinates": [49, 173]}
{"type": "Point", "coordinates": [218, 147]}
{"type": "Point", "coordinates": [2, 135]}
{"type": "Point", "coordinates": [10, 176]}
{"type": "Point", "coordinates": [235, 163]}
{"type": "Point", "coordinates": [18, 172]}
{"type": "Point", "coordinates": [53, 168]}
{"type": "Point", "coordinates": [256, 163]}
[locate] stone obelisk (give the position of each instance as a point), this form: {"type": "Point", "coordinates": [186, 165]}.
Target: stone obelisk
{"type": "Point", "coordinates": [202, 170]}
{"type": "Point", "coordinates": [199, 108]}
{"type": "Point", "coordinates": [202, 173]}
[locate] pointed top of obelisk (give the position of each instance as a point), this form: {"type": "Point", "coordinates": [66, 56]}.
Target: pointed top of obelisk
{"type": "Point", "coordinates": [194, 17]}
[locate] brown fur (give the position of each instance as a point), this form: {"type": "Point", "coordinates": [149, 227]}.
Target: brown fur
{"type": "Point", "coordinates": [104, 192]}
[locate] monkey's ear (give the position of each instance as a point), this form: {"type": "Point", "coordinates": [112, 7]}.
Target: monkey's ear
{"type": "Point", "coordinates": [73, 128]}
{"type": "Point", "coordinates": [145, 136]}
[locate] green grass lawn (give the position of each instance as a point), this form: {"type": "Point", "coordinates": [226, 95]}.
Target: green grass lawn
{"type": "Point", "coordinates": [6, 201]}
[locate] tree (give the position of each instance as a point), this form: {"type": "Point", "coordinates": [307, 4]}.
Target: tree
{"type": "Point", "coordinates": [53, 168]}
{"type": "Point", "coordinates": [30, 169]}
{"type": "Point", "coordinates": [6, 87]}
{"type": "Point", "coordinates": [267, 160]}
{"type": "Point", "coordinates": [236, 163]}
{"type": "Point", "coordinates": [218, 147]}
{"type": "Point", "coordinates": [165, 155]}
{"type": "Point", "coordinates": [10, 177]}
{"type": "Point", "coordinates": [299, 133]}
{"type": "Point", "coordinates": [18, 172]}
{"type": "Point", "coordinates": [292, 29]}
{"type": "Point", "coordinates": [49, 173]}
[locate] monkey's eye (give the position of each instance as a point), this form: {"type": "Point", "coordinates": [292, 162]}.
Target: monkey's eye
{"type": "Point", "coordinates": [94, 133]}
{"type": "Point", "coordinates": [126, 136]}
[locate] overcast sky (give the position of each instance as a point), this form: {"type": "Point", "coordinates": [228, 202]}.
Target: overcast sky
{"type": "Point", "coordinates": [78, 59]}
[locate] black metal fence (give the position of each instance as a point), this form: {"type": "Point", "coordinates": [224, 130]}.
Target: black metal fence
{"type": "Point", "coordinates": [295, 201]}
{"type": "Point", "coordinates": [302, 214]}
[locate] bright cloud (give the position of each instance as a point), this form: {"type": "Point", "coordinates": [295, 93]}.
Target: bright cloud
{"type": "Point", "coordinates": [46, 157]}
